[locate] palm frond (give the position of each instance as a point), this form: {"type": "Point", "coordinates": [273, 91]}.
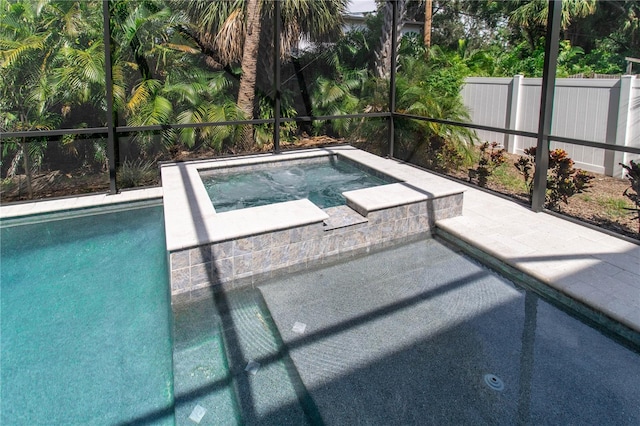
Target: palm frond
{"type": "Point", "coordinates": [14, 52]}
{"type": "Point", "coordinates": [183, 48]}
{"type": "Point", "coordinates": [143, 93]}
{"type": "Point", "coordinates": [229, 40]}
{"type": "Point", "coordinates": [158, 111]}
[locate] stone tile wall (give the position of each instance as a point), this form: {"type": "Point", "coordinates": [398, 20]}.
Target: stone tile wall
{"type": "Point", "coordinates": [228, 264]}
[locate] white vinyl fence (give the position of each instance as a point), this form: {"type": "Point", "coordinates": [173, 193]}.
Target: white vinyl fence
{"type": "Point", "coordinates": [598, 110]}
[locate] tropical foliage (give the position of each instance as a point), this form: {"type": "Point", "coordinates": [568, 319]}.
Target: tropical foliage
{"type": "Point", "coordinates": [596, 35]}
{"type": "Point", "coordinates": [177, 64]}
{"type": "Point", "coordinates": [50, 66]}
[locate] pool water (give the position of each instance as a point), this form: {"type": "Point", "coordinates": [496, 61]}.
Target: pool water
{"type": "Point", "coordinates": [410, 335]}
{"type": "Point", "coordinates": [407, 335]}
{"type": "Point", "coordinates": [215, 339]}
{"type": "Point", "coordinates": [321, 182]}
{"type": "Point", "coordinates": [86, 320]}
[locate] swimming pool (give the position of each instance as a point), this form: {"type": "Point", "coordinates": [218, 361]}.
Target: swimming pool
{"type": "Point", "coordinates": [216, 338]}
{"type": "Point", "coordinates": [86, 319]}
{"type": "Point", "coordinates": [322, 181]}
{"type": "Point", "coordinates": [398, 336]}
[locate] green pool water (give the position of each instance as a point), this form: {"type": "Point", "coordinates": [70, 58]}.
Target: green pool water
{"type": "Point", "coordinates": [86, 320]}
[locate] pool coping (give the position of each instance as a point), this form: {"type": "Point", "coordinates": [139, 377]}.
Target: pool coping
{"type": "Point", "coordinates": [78, 202]}
{"type": "Point", "coordinates": [619, 328]}
{"type": "Point", "coordinates": [191, 219]}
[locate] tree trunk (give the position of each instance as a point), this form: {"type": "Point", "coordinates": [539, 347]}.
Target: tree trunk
{"type": "Point", "coordinates": [27, 167]}
{"type": "Point", "coordinates": [428, 13]}
{"type": "Point", "coordinates": [383, 57]}
{"type": "Point", "coordinates": [247, 89]}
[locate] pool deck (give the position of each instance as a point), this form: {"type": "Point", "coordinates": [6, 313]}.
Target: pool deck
{"type": "Point", "coordinates": [589, 266]}
{"type": "Point", "coordinates": [78, 202]}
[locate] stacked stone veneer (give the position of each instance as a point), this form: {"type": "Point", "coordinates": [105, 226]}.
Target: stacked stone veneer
{"type": "Point", "coordinates": [250, 259]}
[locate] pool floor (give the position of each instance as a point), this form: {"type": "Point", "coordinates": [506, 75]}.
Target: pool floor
{"type": "Point", "coordinates": [417, 334]}
{"type": "Point", "coordinates": [215, 339]}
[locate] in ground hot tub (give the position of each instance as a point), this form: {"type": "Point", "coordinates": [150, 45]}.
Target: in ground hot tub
{"type": "Point", "coordinates": [209, 247]}
{"type": "Point", "coordinates": [321, 180]}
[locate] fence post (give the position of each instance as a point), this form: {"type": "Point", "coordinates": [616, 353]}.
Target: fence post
{"type": "Point", "coordinates": [513, 114]}
{"type": "Point", "coordinates": [619, 127]}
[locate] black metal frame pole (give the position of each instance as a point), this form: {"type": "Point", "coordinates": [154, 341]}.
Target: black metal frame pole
{"type": "Point", "coordinates": [392, 78]}
{"type": "Point", "coordinates": [112, 149]}
{"type": "Point", "coordinates": [546, 104]}
{"type": "Point", "coordinates": [276, 76]}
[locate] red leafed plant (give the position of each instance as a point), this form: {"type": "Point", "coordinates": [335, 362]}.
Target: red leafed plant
{"type": "Point", "coordinates": [633, 191]}
{"type": "Point", "coordinates": [563, 180]}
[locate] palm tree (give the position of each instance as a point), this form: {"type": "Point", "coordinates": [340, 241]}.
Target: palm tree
{"type": "Point", "coordinates": [48, 66]}
{"type": "Point", "coordinates": [383, 56]}
{"type": "Point", "coordinates": [420, 91]}
{"type": "Point", "coordinates": [428, 18]}
{"type": "Point", "coordinates": [337, 96]}
{"type": "Point", "coordinates": [159, 79]}
{"type": "Point", "coordinates": [536, 12]}
{"type": "Point", "coordinates": [533, 14]}
{"type": "Point", "coordinates": [184, 97]}
{"type": "Point", "coordinates": [247, 91]}
{"type": "Point", "coordinates": [239, 31]}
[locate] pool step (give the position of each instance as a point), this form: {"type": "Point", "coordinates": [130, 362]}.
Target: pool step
{"type": "Point", "coordinates": [342, 217]}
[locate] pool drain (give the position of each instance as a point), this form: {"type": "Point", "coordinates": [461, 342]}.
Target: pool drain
{"type": "Point", "coordinates": [493, 382]}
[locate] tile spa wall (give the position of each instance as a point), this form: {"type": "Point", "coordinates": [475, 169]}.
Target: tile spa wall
{"type": "Point", "coordinates": [244, 261]}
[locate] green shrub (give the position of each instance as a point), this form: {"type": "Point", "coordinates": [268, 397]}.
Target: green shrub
{"type": "Point", "coordinates": [490, 159]}
{"type": "Point", "coordinates": [137, 173]}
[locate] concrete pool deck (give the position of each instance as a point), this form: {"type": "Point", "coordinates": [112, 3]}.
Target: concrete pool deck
{"type": "Point", "coordinates": [589, 266]}
{"type": "Point", "coordinates": [85, 201]}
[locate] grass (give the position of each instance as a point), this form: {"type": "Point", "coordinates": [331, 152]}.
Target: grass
{"type": "Point", "coordinates": [614, 207]}
{"type": "Point", "coordinates": [507, 176]}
